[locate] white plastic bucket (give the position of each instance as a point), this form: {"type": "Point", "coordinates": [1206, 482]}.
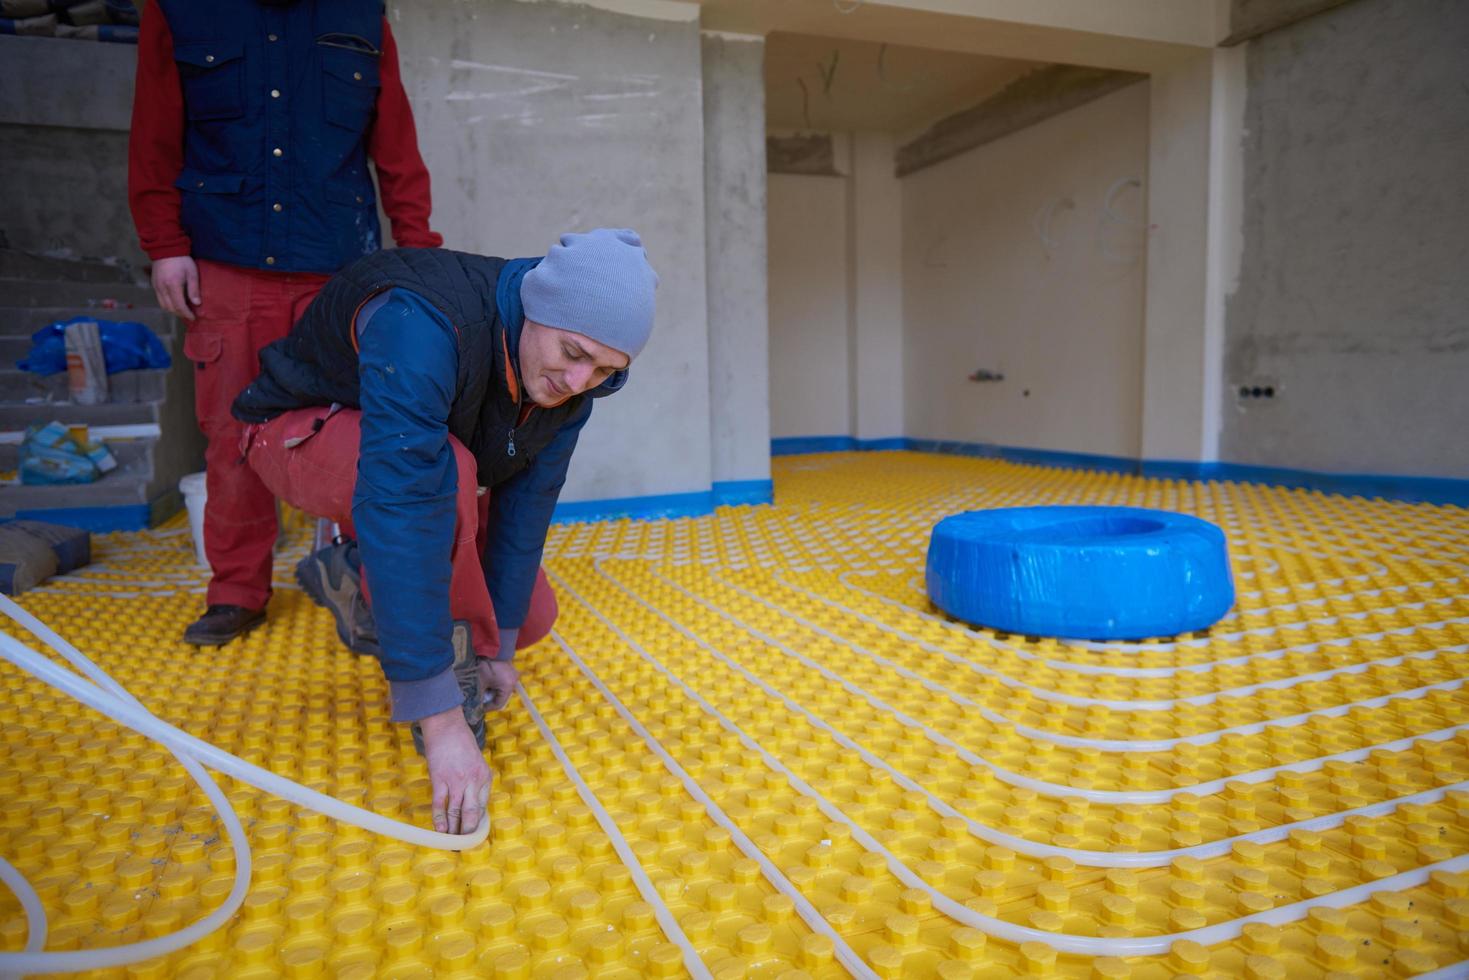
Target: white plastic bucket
{"type": "Point", "coordinates": [195, 494]}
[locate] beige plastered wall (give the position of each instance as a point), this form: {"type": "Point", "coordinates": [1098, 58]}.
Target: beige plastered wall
{"type": "Point", "coordinates": [1025, 258]}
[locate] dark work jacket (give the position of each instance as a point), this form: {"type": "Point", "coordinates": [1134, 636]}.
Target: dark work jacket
{"type": "Point", "coordinates": [278, 182]}
{"type": "Point", "coordinates": [316, 363]}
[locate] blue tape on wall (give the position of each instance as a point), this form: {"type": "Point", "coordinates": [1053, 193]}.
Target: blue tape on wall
{"type": "Point", "coordinates": [1091, 573]}
{"type": "Point", "coordinates": [635, 508]}
{"type": "Point", "coordinates": [738, 493]}
{"type": "Point", "coordinates": [730, 493]}
{"type": "Point", "coordinates": [799, 445]}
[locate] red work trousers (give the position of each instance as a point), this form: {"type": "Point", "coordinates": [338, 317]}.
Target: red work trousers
{"type": "Point", "coordinates": [308, 458]}
{"type": "Point", "coordinates": [242, 310]}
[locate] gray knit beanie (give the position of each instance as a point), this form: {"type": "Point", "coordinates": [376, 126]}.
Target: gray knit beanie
{"type": "Point", "coordinates": [599, 285]}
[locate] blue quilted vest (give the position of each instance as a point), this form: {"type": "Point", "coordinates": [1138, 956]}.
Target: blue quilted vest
{"type": "Point", "coordinates": [278, 101]}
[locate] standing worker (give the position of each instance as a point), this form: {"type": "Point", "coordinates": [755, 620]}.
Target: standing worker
{"type": "Point", "coordinates": [253, 122]}
{"type": "Point", "coordinates": [430, 400]}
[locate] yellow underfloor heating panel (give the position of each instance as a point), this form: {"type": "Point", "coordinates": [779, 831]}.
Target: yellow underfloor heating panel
{"type": "Point", "coordinates": [752, 749]}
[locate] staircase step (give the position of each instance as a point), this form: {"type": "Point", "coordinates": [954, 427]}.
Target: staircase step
{"type": "Point", "coordinates": [29, 292]}
{"type": "Point", "coordinates": [22, 321]}
{"type": "Point", "coordinates": [130, 484]}
{"type": "Point", "coordinates": [16, 264]}
{"type": "Point", "coordinates": [124, 387]}
{"type": "Point", "coordinates": [113, 490]}
{"type": "Point", "coordinates": [15, 418]}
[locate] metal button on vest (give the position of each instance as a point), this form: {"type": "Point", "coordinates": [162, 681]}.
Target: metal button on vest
{"type": "Point", "coordinates": [209, 57]}
{"type": "Point", "coordinates": [275, 93]}
{"type": "Point", "coordinates": [270, 260]}
{"type": "Point", "coordinates": [357, 75]}
{"type": "Point", "coordinates": [201, 183]}
{"type": "Point", "coordinates": [276, 152]}
{"type": "Point", "coordinates": [271, 37]}
{"type": "Point", "coordinates": [276, 206]}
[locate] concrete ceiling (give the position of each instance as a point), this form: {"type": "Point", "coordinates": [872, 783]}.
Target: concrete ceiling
{"type": "Point", "coordinates": [827, 83]}
{"type": "Point", "coordinates": [1129, 35]}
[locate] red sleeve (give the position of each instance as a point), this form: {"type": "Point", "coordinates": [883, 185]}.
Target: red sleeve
{"type": "Point", "coordinates": [393, 144]}
{"type": "Point", "coordinates": [156, 141]}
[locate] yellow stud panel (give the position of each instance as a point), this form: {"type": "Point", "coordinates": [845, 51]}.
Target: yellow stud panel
{"type": "Point", "coordinates": [812, 769]}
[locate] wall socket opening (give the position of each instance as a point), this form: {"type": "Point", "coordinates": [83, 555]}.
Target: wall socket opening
{"type": "Point", "coordinates": [1256, 389]}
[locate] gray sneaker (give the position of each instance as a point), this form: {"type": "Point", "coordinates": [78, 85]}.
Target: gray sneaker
{"type": "Point", "coordinates": [332, 577]}
{"type": "Point", "coordinates": [466, 671]}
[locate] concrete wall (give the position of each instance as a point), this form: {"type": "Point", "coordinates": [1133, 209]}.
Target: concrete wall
{"type": "Point", "coordinates": [539, 118]}
{"type": "Point", "coordinates": [1353, 293]}
{"type": "Point", "coordinates": [1012, 264]}
{"type": "Point", "coordinates": [735, 257]}
{"type": "Point", "coordinates": [810, 387]}
{"type": "Point", "coordinates": [1179, 352]}
{"type": "Point", "coordinates": [875, 210]}
{"type": "Point", "coordinates": [63, 128]}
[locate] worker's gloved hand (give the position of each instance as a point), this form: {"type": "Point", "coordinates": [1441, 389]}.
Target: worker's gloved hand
{"type": "Point", "coordinates": [498, 678]}
{"type": "Point", "coordinates": [457, 770]}
{"type": "Point", "coordinates": [176, 284]}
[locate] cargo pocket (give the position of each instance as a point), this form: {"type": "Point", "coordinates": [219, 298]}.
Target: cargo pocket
{"type": "Point", "coordinates": [211, 400]}
{"type": "Point", "coordinates": [212, 75]}
{"type": "Point", "coordinates": [349, 87]}
{"type": "Point", "coordinates": [203, 348]}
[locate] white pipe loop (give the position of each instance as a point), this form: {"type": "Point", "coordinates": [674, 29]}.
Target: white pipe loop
{"type": "Point", "coordinates": [1106, 859]}
{"type": "Point", "coordinates": [1066, 666]}
{"type": "Point", "coordinates": [1047, 694]}
{"type": "Point", "coordinates": [1009, 931]}
{"type": "Point", "coordinates": [116, 703]}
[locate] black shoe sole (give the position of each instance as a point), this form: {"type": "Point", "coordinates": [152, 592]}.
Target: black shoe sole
{"type": "Point", "coordinates": [218, 639]}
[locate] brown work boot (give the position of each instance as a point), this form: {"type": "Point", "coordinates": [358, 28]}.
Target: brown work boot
{"type": "Point", "coordinates": [466, 670]}
{"type": "Point", "coordinates": [221, 623]}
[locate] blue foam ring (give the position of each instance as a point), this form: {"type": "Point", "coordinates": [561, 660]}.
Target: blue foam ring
{"type": "Point", "coordinates": [1091, 573]}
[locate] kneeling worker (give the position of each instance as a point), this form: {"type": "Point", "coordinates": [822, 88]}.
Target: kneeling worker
{"type": "Point", "coordinates": [429, 402]}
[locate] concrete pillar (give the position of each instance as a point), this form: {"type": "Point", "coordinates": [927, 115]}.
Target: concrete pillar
{"type": "Point", "coordinates": [736, 266]}
{"type": "Point", "coordinates": [1193, 248]}
{"type": "Point", "coordinates": [876, 270]}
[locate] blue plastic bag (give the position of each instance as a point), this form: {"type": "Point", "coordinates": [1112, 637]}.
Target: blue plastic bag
{"type": "Point", "coordinates": [126, 346]}
{"type": "Point", "coordinates": [46, 459]}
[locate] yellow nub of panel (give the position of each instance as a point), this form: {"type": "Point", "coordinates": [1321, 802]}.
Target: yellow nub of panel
{"type": "Point", "coordinates": [752, 748]}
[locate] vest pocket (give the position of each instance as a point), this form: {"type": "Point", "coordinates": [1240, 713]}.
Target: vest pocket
{"type": "Point", "coordinates": [349, 86]}
{"type": "Point", "coordinates": [212, 75]}
{"type": "Point", "coordinates": [350, 194]}
{"type": "Point", "coordinates": [200, 182]}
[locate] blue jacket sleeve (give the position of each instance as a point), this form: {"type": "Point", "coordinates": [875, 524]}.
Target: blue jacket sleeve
{"type": "Point", "coordinates": [520, 514]}
{"type": "Point", "coordinates": [403, 504]}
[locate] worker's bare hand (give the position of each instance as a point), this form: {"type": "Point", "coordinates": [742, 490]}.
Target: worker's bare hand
{"type": "Point", "coordinates": [498, 678]}
{"type": "Point", "coordinates": [176, 284]}
{"type": "Point", "coordinates": [457, 770]}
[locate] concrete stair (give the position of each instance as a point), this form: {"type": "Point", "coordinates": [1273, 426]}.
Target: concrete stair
{"type": "Point", "coordinates": [38, 290]}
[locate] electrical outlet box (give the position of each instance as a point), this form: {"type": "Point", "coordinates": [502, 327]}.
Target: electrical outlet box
{"type": "Point", "coordinates": [1256, 389]}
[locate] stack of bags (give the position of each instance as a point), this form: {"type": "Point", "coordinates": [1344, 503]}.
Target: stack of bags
{"type": "Point", "coordinates": [33, 551]}
{"type": "Point", "coordinates": [87, 20]}
{"type": "Point", "coordinates": [56, 453]}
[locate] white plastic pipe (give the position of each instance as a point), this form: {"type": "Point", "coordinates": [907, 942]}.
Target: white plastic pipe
{"type": "Point", "coordinates": [993, 835]}
{"type": "Point", "coordinates": [809, 914]}
{"type": "Point", "coordinates": [661, 912]}
{"type": "Point", "coordinates": [117, 704]}
{"type": "Point", "coordinates": [1009, 931]}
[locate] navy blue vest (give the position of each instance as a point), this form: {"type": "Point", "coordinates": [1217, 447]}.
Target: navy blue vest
{"type": "Point", "coordinates": [316, 363]}
{"type": "Point", "coordinates": [278, 101]}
